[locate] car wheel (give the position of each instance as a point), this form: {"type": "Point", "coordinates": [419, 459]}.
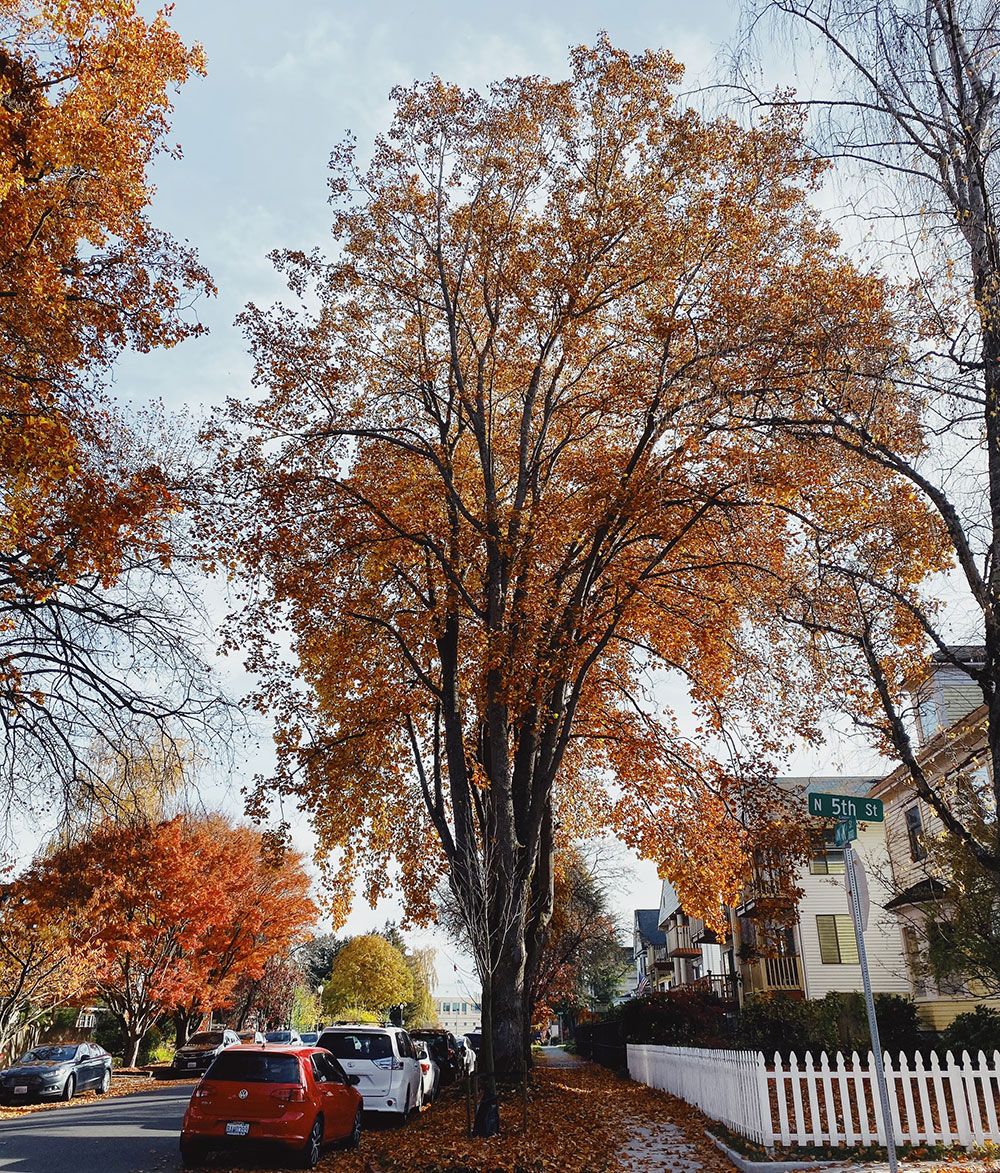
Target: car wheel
{"type": "Point", "coordinates": [69, 1087]}
{"type": "Point", "coordinates": [353, 1138]}
{"type": "Point", "coordinates": [405, 1115]}
{"type": "Point", "coordinates": [105, 1083]}
{"type": "Point", "coordinates": [314, 1143]}
{"type": "Point", "coordinates": [192, 1155]}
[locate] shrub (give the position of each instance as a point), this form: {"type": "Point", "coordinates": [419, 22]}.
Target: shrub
{"type": "Point", "coordinates": [976, 1030]}
{"type": "Point", "coordinates": [675, 1018]}
{"type": "Point", "coordinates": [898, 1027]}
{"type": "Point", "coordinates": [837, 1022]}
{"type": "Point", "coordinates": [776, 1023]}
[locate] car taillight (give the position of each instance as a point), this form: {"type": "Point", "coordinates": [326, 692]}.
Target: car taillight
{"type": "Point", "coordinates": [202, 1091]}
{"type": "Point", "coordinates": [289, 1094]}
{"type": "Point", "coordinates": [424, 1065]}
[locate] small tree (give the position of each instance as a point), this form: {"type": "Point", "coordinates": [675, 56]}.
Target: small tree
{"type": "Point", "coordinates": [368, 974]}
{"type": "Point", "coordinates": [173, 915]}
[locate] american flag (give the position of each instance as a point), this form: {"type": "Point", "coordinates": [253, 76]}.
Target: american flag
{"type": "Point", "coordinates": [643, 986]}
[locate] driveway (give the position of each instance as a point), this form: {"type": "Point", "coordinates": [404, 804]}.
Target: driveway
{"type": "Point", "coordinates": [127, 1134]}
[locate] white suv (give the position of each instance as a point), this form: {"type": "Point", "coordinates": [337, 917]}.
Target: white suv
{"type": "Point", "coordinates": [385, 1062]}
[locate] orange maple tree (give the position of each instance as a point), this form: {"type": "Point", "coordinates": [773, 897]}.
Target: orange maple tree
{"type": "Point", "coordinates": [490, 496]}
{"type": "Point", "coordinates": [178, 910]}
{"type": "Point", "coordinates": [268, 909]}
{"type": "Point", "coordinates": [86, 503]}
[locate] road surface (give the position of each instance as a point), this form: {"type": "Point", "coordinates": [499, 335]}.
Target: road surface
{"type": "Point", "coordinates": [127, 1134]}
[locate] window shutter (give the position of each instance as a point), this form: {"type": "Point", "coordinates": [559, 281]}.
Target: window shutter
{"type": "Point", "coordinates": [847, 941]}
{"type": "Point", "coordinates": [829, 949]}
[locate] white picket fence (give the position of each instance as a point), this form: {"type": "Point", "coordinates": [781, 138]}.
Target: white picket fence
{"type": "Point", "coordinates": [808, 1103]}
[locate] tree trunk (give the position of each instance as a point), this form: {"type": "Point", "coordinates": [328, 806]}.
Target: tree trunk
{"type": "Point", "coordinates": [509, 1006]}
{"type": "Point", "coordinates": [133, 1039]}
{"type": "Point", "coordinates": [183, 1017]}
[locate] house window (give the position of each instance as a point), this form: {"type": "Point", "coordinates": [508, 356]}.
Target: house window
{"type": "Point", "coordinates": [928, 714]}
{"type": "Point", "coordinates": [914, 961]}
{"type": "Point", "coordinates": [445, 1007]}
{"type": "Point", "coordinates": [837, 943]}
{"type": "Point", "coordinates": [826, 859]}
{"type": "Point", "coordinates": [914, 830]}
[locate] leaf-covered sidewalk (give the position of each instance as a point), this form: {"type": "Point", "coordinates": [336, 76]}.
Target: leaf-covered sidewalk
{"type": "Point", "coordinates": [581, 1119]}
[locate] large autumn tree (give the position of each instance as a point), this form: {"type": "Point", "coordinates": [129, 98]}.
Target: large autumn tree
{"type": "Point", "coordinates": [174, 913]}
{"type": "Point", "coordinates": [488, 499]}
{"type": "Point", "coordinates": [93, 642]}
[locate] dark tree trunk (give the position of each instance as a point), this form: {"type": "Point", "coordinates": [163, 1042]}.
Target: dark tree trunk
{"type": "Point", "coordinates": [184, 1017]}
{"type": "Point", "coordinates": [133, 1040]}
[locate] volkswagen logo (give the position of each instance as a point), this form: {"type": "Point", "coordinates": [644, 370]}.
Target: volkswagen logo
{"type": "Point", "coordinates": [243, 1093]}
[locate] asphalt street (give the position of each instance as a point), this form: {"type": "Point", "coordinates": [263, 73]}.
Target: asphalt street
{"type": "Point", "coordinates": [127, 1134]}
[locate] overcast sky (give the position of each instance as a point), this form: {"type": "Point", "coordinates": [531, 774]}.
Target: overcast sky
{"type": "Point", "coordinates": [285, 83]}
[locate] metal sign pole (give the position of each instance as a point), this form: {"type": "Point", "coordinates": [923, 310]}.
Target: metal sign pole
{"type": "Point", "coordinates": [883, 1095]}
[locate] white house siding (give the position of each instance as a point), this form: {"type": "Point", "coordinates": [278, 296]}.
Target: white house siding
{"type": "Point", "coordinates": [826, 895]}
{"type": "Point", "coordinates": [905, 869]}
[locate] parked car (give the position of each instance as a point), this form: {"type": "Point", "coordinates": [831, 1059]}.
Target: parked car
{"type": "Point", "coordinates": [384, 1059]}
{"type": "Point", "coordinates": [309, 1037]}
{"type": "Point", "coordinates": [285, 1038]}
{"type": "Point", "coordinates": [56, 1071]}
{"type": "Point", "coordinates": [443, 1047]}
{"type": "Point", "coordinates": [253, 1037]}
{"type": "Point", "coordinates": [201, 1049]}
{"type": "Point", "coordinates": [430, 1073]}
{"type": "Point", "coordinates": [469, 1054]}
{"type": "Point", "coordinates": [296, 1098]}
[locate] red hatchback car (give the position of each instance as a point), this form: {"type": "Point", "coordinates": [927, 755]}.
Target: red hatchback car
{"type": "Point", "coordinates": [252, 1096]}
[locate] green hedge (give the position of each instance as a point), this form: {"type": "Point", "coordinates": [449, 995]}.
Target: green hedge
{"type": "Point", "coordinates": [976, 1030]}
{"type": "Point", "coordinates": [675, 1018]}
{"type": "Point", "coordinates": [776, 1023]}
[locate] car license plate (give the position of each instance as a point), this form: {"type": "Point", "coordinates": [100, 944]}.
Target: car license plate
{"type": "Point", "coordinates": [192, 1065]}
{"type": "Point", "coordinates": [237, 1128]}
{"type": "Point", "coordinates": [21, 1090]}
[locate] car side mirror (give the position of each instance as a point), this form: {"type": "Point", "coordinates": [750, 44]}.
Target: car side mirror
{"type": "Point", "coordinates": [354, 1080]}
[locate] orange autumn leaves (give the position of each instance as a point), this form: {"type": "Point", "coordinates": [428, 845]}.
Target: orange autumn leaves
{"type": "Point", "coordinates": [163, 916]}
{"type": "Point", "coordinates": [84, 100]}
{"type": "Point", "coordinates": [84, 106]}
{"type": "Point", "coordinates": [502, 482]}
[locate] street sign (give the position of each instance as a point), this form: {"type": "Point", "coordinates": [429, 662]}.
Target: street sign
{"type": "Point", "coordinates": [845, 831]}
{"type": "Point", "coordinates": [840, 806]}
{"type": "Point", "coordinates": [860, 886]}
{"type": "Point", "coordinates": [857, 902]}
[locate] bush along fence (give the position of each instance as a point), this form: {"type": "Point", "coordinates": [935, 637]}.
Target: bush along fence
{"type": "Point", "coordinates": [809, 1103]}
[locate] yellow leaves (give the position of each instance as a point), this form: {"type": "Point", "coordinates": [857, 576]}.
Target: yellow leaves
{"type": "Point", "coordinates": [369, 974]}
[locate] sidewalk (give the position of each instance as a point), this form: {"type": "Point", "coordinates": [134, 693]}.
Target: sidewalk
{"type": "Point", "coordinates": [649, 1145]}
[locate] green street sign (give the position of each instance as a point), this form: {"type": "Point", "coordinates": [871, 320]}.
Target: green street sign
{"type": "Point", "coordinates": [840, 806]}
{"type": "Point", "coordinates": [845, 831]}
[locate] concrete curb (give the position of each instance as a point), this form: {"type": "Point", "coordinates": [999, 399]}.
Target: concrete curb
{"type": "Point", "coordinates": [745, 1165]}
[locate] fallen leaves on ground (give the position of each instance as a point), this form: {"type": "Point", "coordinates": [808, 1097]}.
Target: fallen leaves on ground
{"type": "Point", "coordinates": [579, 1121]}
